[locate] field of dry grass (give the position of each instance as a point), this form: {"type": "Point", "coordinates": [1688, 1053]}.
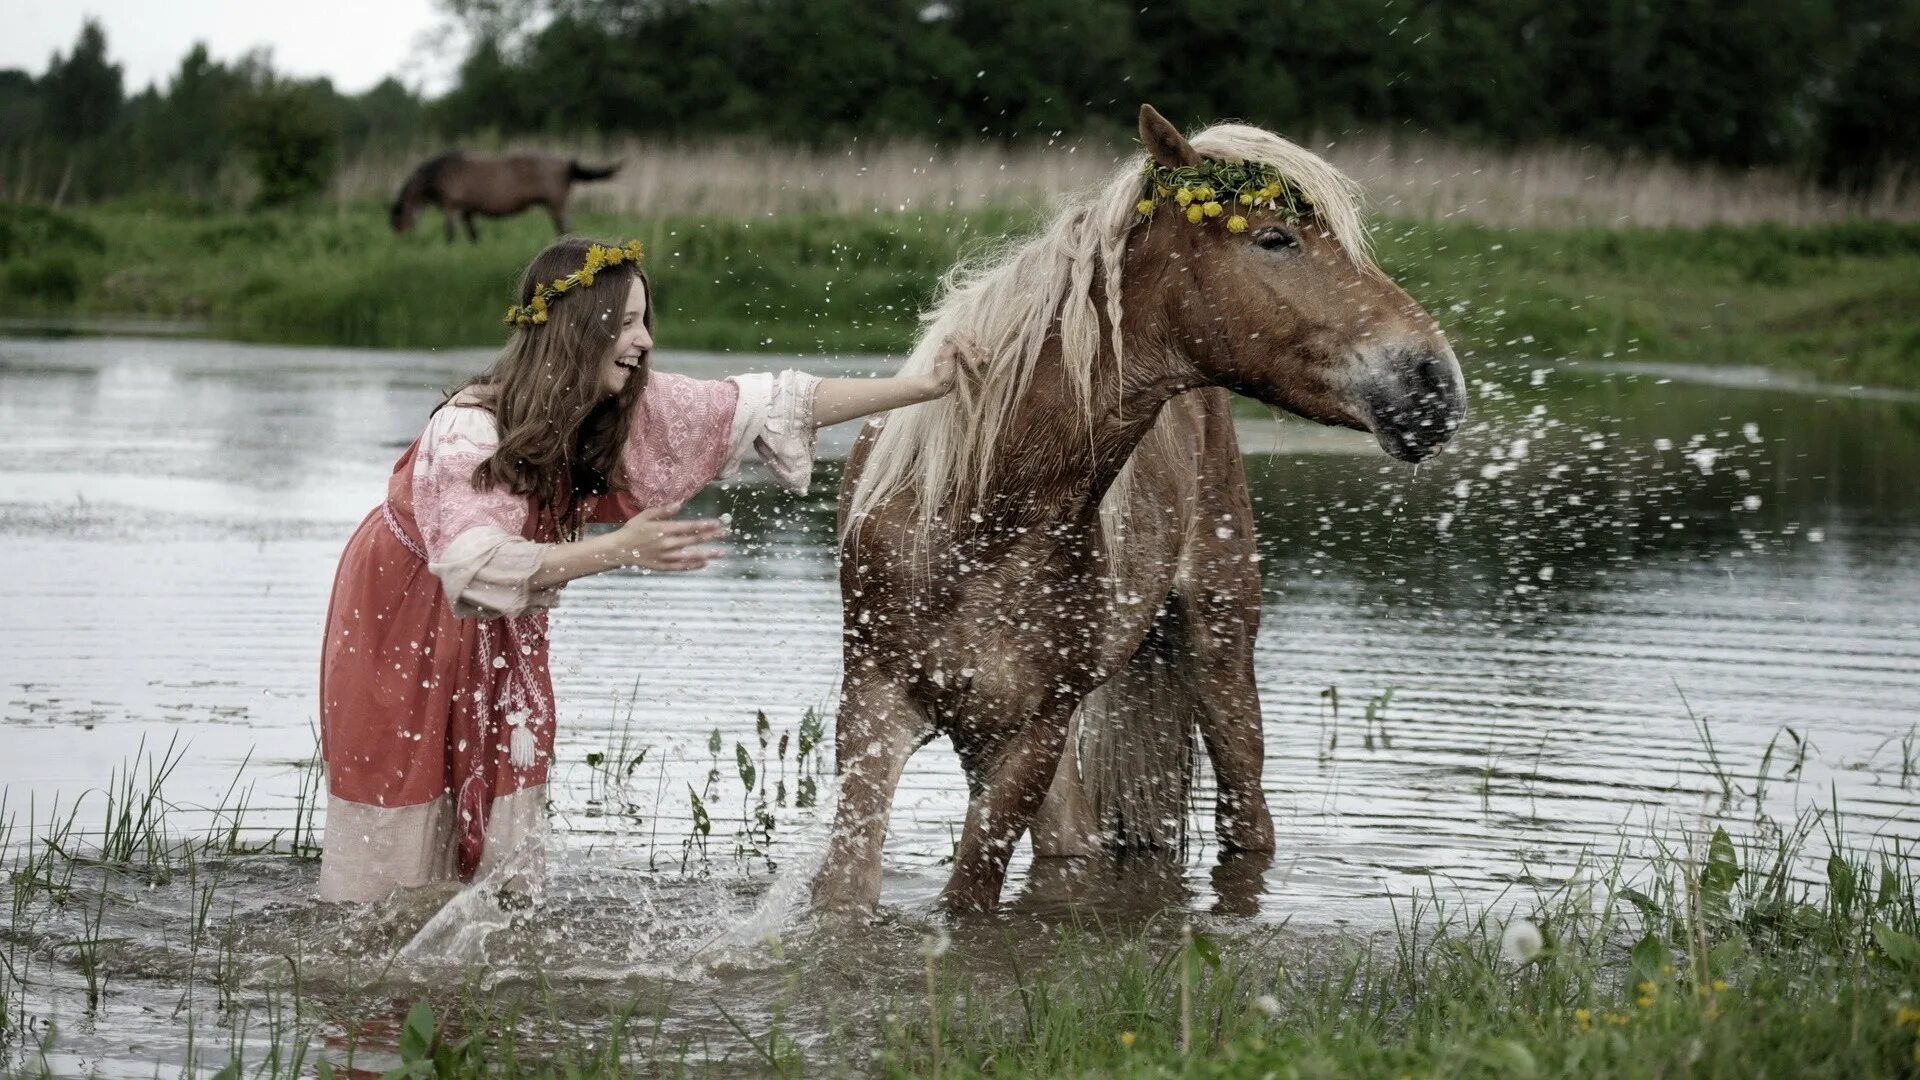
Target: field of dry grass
{"type": "Point", "coordinates": [1411, 178]}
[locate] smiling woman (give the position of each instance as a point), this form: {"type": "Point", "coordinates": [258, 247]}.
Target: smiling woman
{"type": "Point", "coordinates": [436, 702]}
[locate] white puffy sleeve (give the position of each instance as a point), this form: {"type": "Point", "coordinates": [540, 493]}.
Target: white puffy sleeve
{"type": "Point", "coordinates": [774, 418]}
{"type": "Point", "coordinates": [473, 537]}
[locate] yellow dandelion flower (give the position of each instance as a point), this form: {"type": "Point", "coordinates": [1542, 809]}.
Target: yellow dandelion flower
{"type": "Point", "coordinates": [1583, 1018]}
{"type": "Point", "coordinates": [1194, 215]}
{"type": "Point", "coordinates": [539, 302]}
{"type": "Point", "coordinates": [1211, 208]}
{"type": "Point", "coordinates": [1203, 193]}
{"type": "Point", "coordinates": [559, 284]}
{"type": "Point", "coordinates": [1184, 197]}
{"type": "Point", "coordinates": [539, 317]}
{"type": "Point", "coordinates": [596, 257]}
{"type": "Point", "coordinates": [1647, 988]}
{"type": "Point", "coordinates": [511, 312]}
{"type": "Point", "coordinates": [585, 276]}
{"type": "Point", "coordinates": [1144, 206]}
{"type": "Point", "coordinates": [1236, 223]}
{"type": "Point", "coordinates": [1907, 1015]}
{"type": "Point", "coordinates": [1246, 198]}
{"type": "Point", "coordinates": [1271, 191]}
{"type": "Point", "coordinates": [1619, 1019]}
{"type": "Point", "coordinates": [634, 250]}
{"type": "Point", "coordinates": [1162, 191]}
{"type": "Point", "coordinates": [1126, 1038]}
{"type": "Point", "coordinates": [1719, 986]}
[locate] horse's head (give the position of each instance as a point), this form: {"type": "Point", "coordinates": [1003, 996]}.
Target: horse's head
{"type": "Point", "coordinates": [1290, 310]}
{"type": "Point", "coordinates": [413, 197]}
{"type": "Point", "coordinates": [404, 211]}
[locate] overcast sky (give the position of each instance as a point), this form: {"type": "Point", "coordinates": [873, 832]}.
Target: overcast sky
{"type": "Point", "coordinates": [355, 42]}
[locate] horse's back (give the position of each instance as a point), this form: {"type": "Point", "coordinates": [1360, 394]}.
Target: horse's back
{"type": "Point", "coordinates": [502, 183]}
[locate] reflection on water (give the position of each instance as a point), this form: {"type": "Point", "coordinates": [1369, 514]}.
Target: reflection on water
{"type": "Point", "coordinates": [1473, 670]}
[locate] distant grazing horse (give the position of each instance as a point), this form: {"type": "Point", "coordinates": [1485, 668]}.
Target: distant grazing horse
{"type": "Point", "coordinates": [495, 185]}
{"type": "Point", "coordinates": [1061, 554]}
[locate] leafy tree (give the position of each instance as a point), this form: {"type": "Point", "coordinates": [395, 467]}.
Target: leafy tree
{"type": "Point", "coordinates": [291, 134]}
{"type": "Point", "coordinates": [1871, 124]}
{"type": "Point", "coordinates": [82, 92]}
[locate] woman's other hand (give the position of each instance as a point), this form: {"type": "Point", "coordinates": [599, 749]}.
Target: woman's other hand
{"type": "Point", "coordinates": [652, 540]}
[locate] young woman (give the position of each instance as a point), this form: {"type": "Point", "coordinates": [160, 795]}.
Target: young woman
{"type": "Point", "coordinates": [436, 701]}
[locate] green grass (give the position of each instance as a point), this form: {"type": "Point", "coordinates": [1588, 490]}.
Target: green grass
{"type": "Point", "coordinates": [1835, 302]}
{"type": "Point", "coordinates": [1727, 954]}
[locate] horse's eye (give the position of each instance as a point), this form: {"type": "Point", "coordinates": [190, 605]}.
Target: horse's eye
{"type": "Point", "coordinates": [1274, 238]}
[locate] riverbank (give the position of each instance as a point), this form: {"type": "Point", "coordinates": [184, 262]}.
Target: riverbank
{"type": "Point", "coordinates": [1837, 303]}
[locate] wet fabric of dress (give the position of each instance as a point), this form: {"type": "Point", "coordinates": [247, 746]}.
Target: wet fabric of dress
{"type": "Point", "coordinates": [436, 700]}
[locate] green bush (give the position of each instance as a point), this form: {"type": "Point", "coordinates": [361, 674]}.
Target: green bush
{"type": "Point", "coordinates": [293, 139]}
{"type": "Point", "coordinates": [48, 279]}
{"type": "Point", "coordinates": [27, 231]}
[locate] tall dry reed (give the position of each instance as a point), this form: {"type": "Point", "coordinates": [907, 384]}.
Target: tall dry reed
{"type": "Point", "coordinates": [1413, 177]}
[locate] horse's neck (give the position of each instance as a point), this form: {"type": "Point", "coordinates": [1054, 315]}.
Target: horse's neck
{"type": "Point", "coordinates": [1059, 467]}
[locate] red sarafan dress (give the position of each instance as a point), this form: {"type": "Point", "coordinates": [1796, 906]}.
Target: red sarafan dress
{"type": "Point", "coordinates": [436, 701]}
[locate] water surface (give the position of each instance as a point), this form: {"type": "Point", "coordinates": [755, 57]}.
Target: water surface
{"type": "Point", "coordinates": [1551, 623]}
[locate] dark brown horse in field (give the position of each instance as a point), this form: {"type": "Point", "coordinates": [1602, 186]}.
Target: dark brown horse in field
{"type": "Point", "coordinates": [1055, 567]}
{"type": "Point", "coordinates": [463, 184]}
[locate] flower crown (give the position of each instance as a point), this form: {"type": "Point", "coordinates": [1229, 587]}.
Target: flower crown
{"type": "Point", "coordinates": [1211, 188]}
{"type": "Point", "coordinates": [599, 257]}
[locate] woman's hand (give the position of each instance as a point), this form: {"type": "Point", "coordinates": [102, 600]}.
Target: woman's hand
{"type": "Point", "coordinates": [651, 540]}
{"type": "Point", "coordinates": [958, 358]}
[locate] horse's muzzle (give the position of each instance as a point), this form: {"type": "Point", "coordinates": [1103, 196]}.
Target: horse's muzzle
{"type": "Point", "coordinates": [1417, 402]}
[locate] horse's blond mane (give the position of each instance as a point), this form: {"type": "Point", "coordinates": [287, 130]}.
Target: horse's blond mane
{"type": "Point", "coordinates": [1007, 302]}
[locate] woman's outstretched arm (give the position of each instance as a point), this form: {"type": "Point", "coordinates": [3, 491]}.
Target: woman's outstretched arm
{"type": "Point", "coordinates": [838, 400]}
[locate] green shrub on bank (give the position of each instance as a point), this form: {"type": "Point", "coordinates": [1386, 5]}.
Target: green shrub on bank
{"type": "Point", "coordinates": [1837, 302]}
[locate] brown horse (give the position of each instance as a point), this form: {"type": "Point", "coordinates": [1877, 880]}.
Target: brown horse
{"type": "Point", "coordinates": [463, 184]}
{"type": "Point", "coordinates": [1061, 554]}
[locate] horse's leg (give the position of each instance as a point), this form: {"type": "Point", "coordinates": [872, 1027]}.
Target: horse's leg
{"type": "Point", "coordinates": [1064, 828]}
{"type": "Point", "coordinates": [1003, 806]}
{"type": "Point", "coordinates": [448, 214]}
{"type": "Point", "coordinates": [878, 727]}
{"type": "Point", "coordinates": [466, 218]}
{"type": "Point", "coordinates": [1220, 591]}
{"type": "Point", "coordinates": [558, 212]}
{"type": "Point", "coordinates": [1222, 643]}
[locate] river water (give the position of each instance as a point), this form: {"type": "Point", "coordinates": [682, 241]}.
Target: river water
{"type": "Point", "coordinates": [1627, 600]}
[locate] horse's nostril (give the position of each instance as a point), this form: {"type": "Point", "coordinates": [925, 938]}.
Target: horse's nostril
{"type": "Point", "coordinates": [1430, 369]}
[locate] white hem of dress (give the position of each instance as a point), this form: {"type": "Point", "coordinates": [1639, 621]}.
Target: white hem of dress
{"type": "Point", "coordinates": [370, 851]}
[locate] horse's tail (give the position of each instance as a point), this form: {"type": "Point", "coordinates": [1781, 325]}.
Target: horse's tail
{"type": "Point", "coordinates": [577, 172]}
{"type": "Point", "coordinates": [1136, 741]}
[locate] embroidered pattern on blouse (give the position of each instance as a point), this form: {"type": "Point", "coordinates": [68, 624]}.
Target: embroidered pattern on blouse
{"type": "Point", "coordinates": [678, 440]}
{"type": "Point", "coordinates": [445, 501]}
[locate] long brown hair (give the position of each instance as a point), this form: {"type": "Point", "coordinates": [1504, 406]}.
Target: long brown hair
{"type": "Point", "coordinates": [560, 438]}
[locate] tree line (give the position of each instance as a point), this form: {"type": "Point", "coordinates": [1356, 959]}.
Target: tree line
{"type": "Point", "coordinates": [1828, 87]}
{"type": "Point", "coordinates": [74, 133]}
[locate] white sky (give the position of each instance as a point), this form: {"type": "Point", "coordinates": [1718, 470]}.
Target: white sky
{"type": "Point", "coordinates": [355, 42]}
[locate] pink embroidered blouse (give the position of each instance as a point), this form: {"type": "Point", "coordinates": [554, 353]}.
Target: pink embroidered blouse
{"type": "Point", "coordinates": [686, 433]}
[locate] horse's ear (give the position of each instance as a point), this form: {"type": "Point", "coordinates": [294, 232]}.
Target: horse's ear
{"type": "Point", "coordinates": [1164, 142]}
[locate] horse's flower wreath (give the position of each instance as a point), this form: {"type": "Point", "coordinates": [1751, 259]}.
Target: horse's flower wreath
{"type": "Point", "coordinates": [599, 257]}
{"type": "Point", "coordinates": [1211, 188]}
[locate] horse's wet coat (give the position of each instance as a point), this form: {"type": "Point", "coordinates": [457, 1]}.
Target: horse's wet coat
{"type": "Point", "coordinates": [1053, 607]}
